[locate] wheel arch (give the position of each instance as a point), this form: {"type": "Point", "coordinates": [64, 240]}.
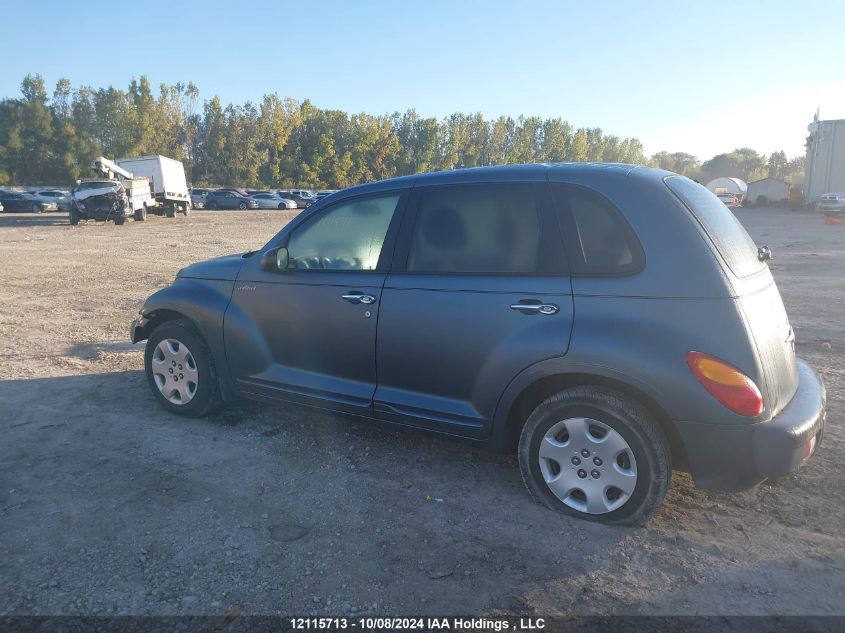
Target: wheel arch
{"type": "Point", "coordinates": [512, 414]}
{"type": "Point", "coordinates": [203, 304]}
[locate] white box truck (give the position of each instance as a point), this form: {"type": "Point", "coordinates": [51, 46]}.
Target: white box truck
{"type": "Point", "coordinates": [167, 176]}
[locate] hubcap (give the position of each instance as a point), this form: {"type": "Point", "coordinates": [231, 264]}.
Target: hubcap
{"type": "Point", "coordinates": [175, 371]}
{"type": "Point", "coordinates": [588, 465]}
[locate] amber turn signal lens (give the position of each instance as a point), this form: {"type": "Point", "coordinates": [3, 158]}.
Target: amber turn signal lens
{"type": "Point", "coordinates": [726, 383]}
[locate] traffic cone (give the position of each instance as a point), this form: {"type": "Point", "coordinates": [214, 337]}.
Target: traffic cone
{"type": "Point", "coordinates": [832, 219]}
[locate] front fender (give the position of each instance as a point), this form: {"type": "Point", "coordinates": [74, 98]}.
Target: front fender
{"type": "Point", "coordinates": [203, 302]}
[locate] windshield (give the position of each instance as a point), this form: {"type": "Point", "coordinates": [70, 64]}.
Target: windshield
{"type": "Point", "coordinates": [95, 185]}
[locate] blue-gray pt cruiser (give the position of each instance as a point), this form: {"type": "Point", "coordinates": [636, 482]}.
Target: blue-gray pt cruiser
{"type": "Point", "coordinates": [607, 322]}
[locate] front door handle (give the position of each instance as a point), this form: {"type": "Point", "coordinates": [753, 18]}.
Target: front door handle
{"type": "Point", "coordinates": [536, 308]}
{"type": "Point", "coordinates": [358, 297]}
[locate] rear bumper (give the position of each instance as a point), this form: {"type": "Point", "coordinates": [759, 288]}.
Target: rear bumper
{"type": "Point", "coordinates": [728, 458]}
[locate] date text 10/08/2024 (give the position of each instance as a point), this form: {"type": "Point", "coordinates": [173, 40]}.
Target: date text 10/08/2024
{"type": "Point", "coordinates": [412, 624]}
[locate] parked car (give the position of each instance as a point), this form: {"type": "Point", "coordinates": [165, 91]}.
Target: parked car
{"type": "Point", "coordinates": [229, 199]}
{"type": "Point", "coordinates": [303, 198]}
{"type": "Point", "coordinates": [61, 198]}
{"type": "Point", "coordinates": [198, 197]}
{"type": "Point", "coordinates": [607, 322]}
{"type": "Point", "coordinates": [728, 199]}
{"type": "Point", "coordinates": [832, 202]}
{"type": "Point", "coordinates": [273, 201]}
{"type": "Point", "coordinates": [323, 194]}
{"type": "Point", "coordinates": [25, 201]}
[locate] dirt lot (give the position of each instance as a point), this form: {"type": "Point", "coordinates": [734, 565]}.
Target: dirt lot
{"type": "Point", "coordinates": [110, 505]}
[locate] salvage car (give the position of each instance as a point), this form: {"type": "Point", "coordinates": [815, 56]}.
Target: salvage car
{"type": "Point", "coordinates": [198, 197]}
{"type": "Point", "coordinates": [302, 197]}
{"type": "Point", "coordinates": [833, 202]}
{"type": "Point", "coordinates": [61, 198]}
{"type": "Point", "coordinates": [229, 199]}
{"type": "Point", "coordinates": [25, 201]}
{"type": "Point", "coordinates": [728, 199]}
{"type": "Point", "coordinates": [607, 322]}
{"type": "Point", "coordinates": [106, 199]}
{"type": "Point", "coordinates": [272, 201]}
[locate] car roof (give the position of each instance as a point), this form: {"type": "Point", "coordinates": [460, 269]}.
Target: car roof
{"type": "Point", "coordinates": [517, 172]}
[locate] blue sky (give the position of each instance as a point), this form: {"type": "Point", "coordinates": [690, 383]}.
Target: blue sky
{"type": "Point", "coordinates": [702, 78]}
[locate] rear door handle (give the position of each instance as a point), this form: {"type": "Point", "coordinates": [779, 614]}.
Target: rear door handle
{"type": "Point", "coordinates": [359, 297]}
{"type": "Point", "coordinates": [536, 308]}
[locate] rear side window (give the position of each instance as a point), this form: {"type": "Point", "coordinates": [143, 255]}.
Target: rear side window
{"type": "Point", "coordinates": [492, 229]}
{"type": "Point", "coordinates": [598, 240]}
{"type": "Point", "coordinates": [727, 234]}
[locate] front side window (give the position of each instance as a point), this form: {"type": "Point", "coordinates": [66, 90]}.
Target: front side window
{"type": "Point", "coordinates": [492, 229]}
{"type": "Point", "coordinates": [347, 236]}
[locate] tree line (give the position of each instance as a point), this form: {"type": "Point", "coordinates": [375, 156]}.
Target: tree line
{"type": "Point", "coordinates": [281, 142]}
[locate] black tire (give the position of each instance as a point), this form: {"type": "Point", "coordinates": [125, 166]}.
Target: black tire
{"type": "Point", "coordinates": [186, 210]}
{"type": "Point", "coordinates": [625, 416]}
{"type": "Point", "coordinates": [242, 206]}
{"type": "Point", "coordinates": [213, 206]}
{"type": "Point", "coordinates": [207, 396]}
{"type": "Point", "coordinates": [282, 206]}
{"type": "Point", "coordinates": [74, 215]}
{"type": "Point", "coordinates": [171, 211]}
{"type": "Point", "coordinates": [36, 208]}
{"type": "Point", "coordinates": [119, 219]}
{"type": "Point", "coordinates": [141, 214]}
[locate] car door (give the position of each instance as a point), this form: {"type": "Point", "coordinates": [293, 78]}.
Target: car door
{"type": "Point", "coordinates": [308, 333]}
{"type": "Point", "coordinates": [478, 293]}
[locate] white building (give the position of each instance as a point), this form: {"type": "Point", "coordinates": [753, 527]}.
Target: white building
{"type": "Point", "coordinates": [736, 186]}
{"type": "Point", "coordinates": [771, 189]}
{"type": "Point", "coordinates": [825, 166]}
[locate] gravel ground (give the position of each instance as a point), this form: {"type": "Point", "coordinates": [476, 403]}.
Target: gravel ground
{"type": "Point", "coordinates": [110, 505]}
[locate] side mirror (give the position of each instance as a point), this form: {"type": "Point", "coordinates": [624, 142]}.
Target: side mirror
{"type": "Point", "coordinates": [276, 259]}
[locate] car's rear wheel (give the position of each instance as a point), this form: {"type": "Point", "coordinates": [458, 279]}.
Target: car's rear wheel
{"type": "Point", "coordinates": [180, 369]}
{"type": "Point", "coordinates": [597, 454]}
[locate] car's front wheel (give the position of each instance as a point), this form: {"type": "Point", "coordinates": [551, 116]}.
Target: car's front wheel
{"type": "Point", "coordinates": [597, 454]}
{"type": "Point", "coordinates": [180, 369]}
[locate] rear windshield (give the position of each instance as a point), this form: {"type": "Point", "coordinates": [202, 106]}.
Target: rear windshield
{"type": "Point", "coordinates": [729, 237]}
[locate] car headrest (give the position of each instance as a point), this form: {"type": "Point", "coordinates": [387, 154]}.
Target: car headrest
{"type": "Point", "coordinates": [444, 228]}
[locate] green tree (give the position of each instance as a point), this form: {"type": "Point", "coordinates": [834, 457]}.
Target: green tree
{"type": "Point", "coordinates": [777, 165]}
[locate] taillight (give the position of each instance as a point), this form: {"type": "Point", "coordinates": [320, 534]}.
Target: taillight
{"type": "Point", "coordinates": [726, 383]}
